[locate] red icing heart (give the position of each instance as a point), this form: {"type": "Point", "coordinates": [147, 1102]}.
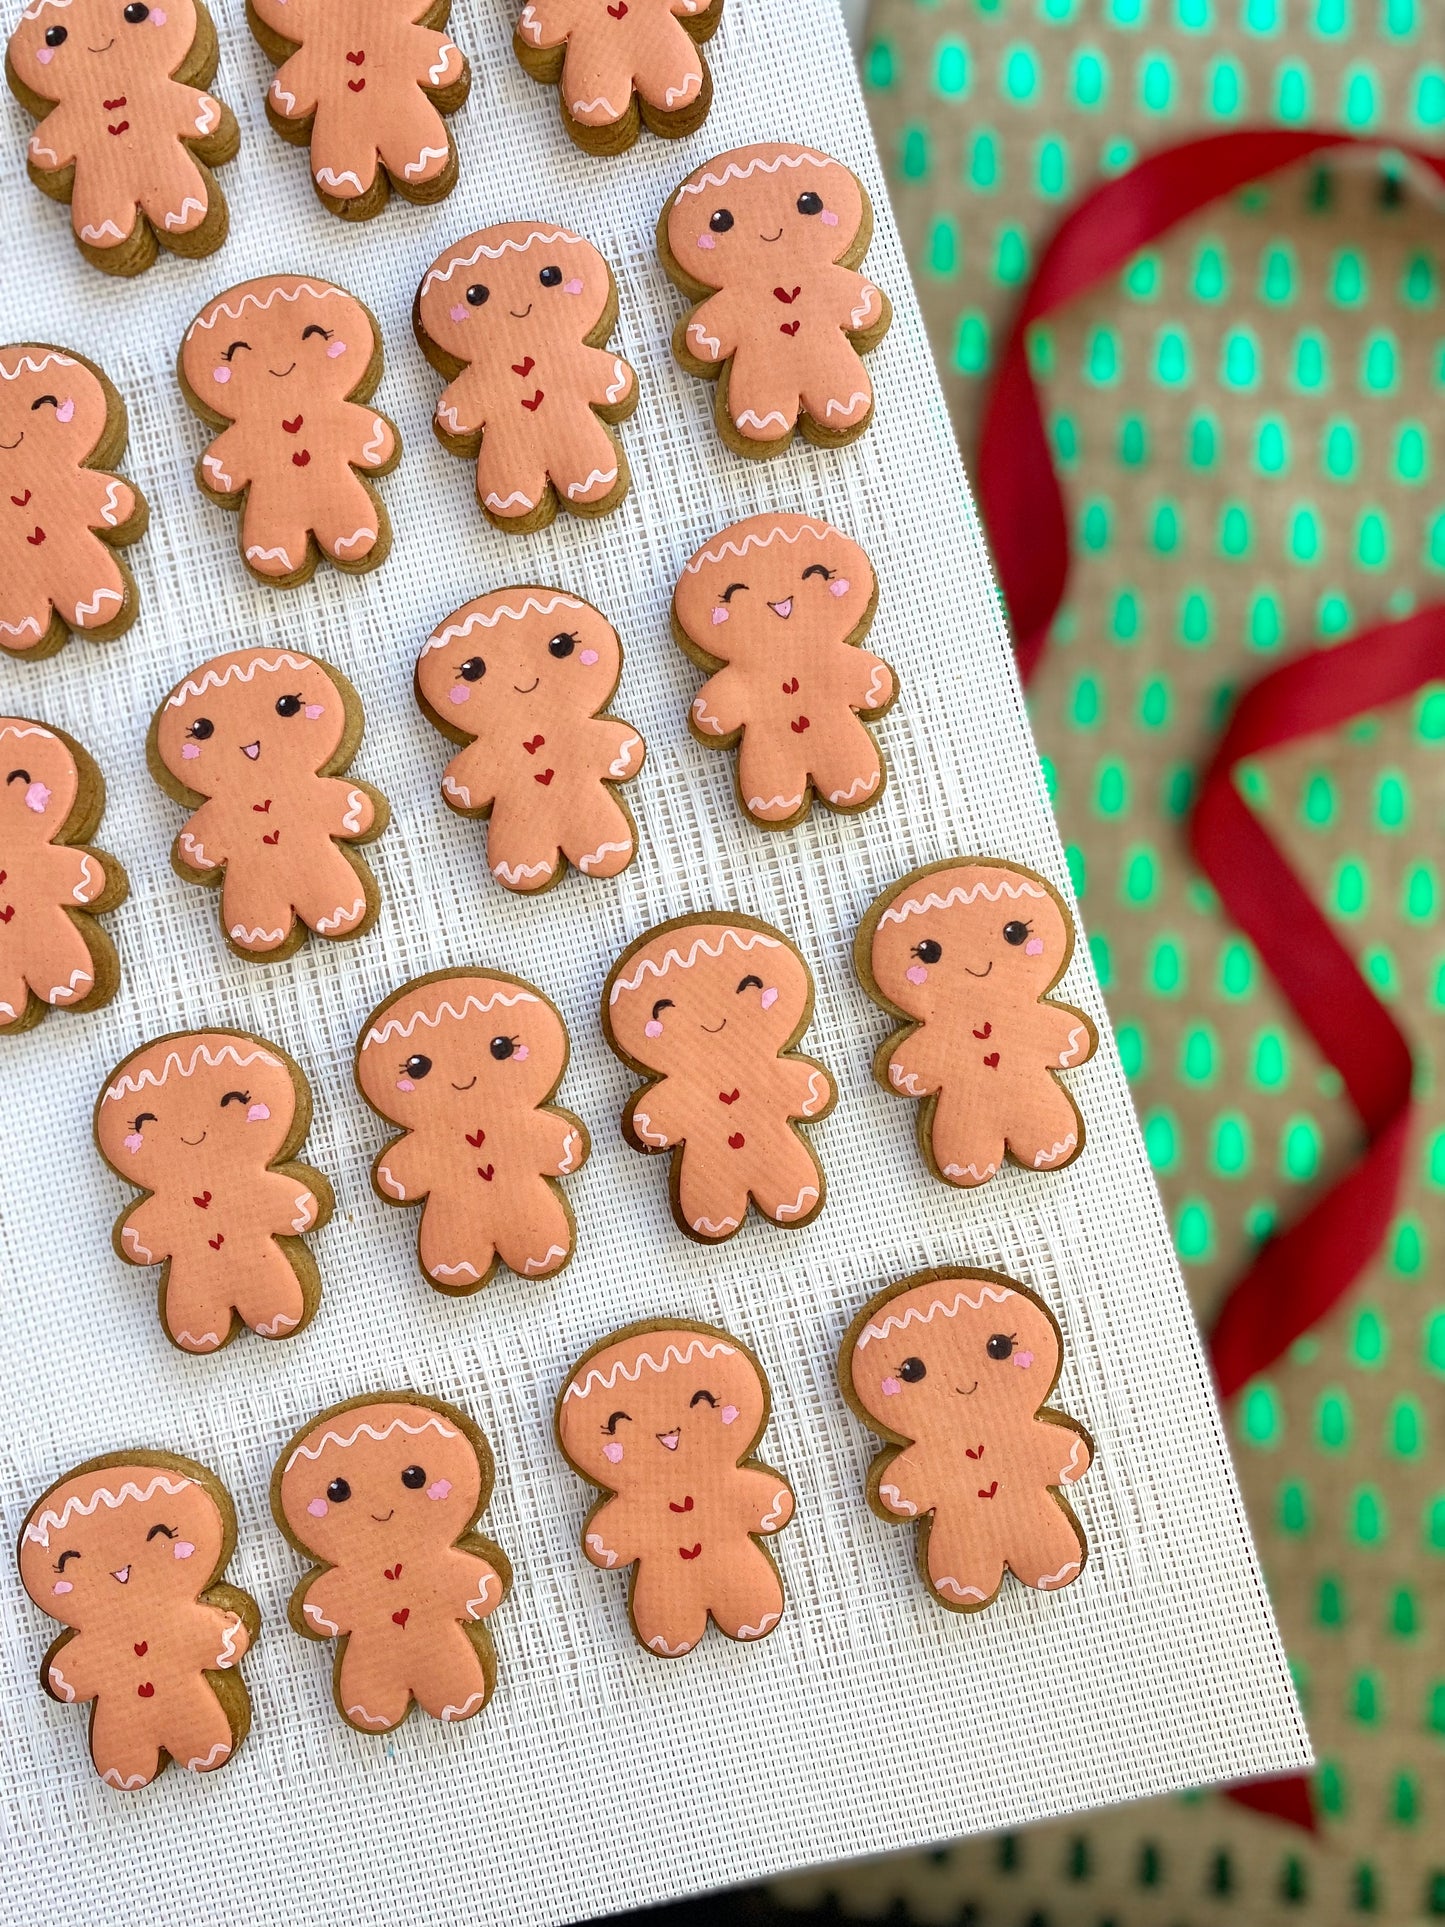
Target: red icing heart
{"type": "Point", "coordinates": [38, 537]}
{"type": "Point", "coordinates": [146, 1691]}
{"type": "Point", "coordinates": [216, 1242]}
{"type": "Point", "coordinates": [121, 128]}
{"type": "Point", "coordinates": [272, 837]}
{"type": "Point", "coordinates": [790, 687]}
{"type": "Point", "coordinates": [523, 367]}
{"type": "Point", "coordinates": [987, 1031]}
{"type": "Point", "coordinates": [971, 1453]}
{"type": "Point", "coordinates": [800, 725]}
{"type": "Point", "coordinates": [534, 404]}
{"type": "Point", "coordinates": [737, 1141]}
{"type": "Point", "coordinates": [781, 294]}
{"type": "Point", "coordinates": [487, 1171]}
{"type": "Point", "coordinates": [142, 1649]}
{"type": "Point", "coordinates": [111, 105]}
{"type": "Point", "coordinates": [990, 1492]}
{"type": "Point", "coordinates": [7, 913]}
{"type": "Point", "coordinates": [619, 11]}
{"type": "Point", "coordinates": [357, 86]}
{"type": "Point", "coordinates": [357, 60]}
{"type": "Point", "coordinates": [544, 777]}
{"type": "Point", "coordinates": [476, 1139]}
{"type": "Point", "coordinates": [686, 1505]}
{"type": "Point", "coordinates": [992, 1060]}
{"type": "Point", "coordinates": [400, 1619]}
{"type": "Point", "coordinates": [789, 327]}
{"type": "Point", "coordinates": [293, 428]}
{"type": "Point", "coordinates": [728, 1097]}
{"type": "Point", "coordinates": [262, 809]}
{"type": "Point", "coordinates": [683, 1552]}
{"type": "Point", "coordinates": [535, 744]}
{"type": "Point", "coordinates": [302, 458]}
{"type": "Point", "coordinates": [204, 1201]}
{"type": "Point", "coordinates": [391, 1572]}
{"type": "Point", "coordinates": [21, 500]}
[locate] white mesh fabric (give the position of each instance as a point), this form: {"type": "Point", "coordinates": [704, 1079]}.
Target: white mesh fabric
{"type": "Point", "coordinates": [599, 1777]}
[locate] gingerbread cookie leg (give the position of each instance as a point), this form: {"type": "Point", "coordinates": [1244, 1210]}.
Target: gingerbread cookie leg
{"type": "Point", "coordinates": [772, 776]}
{"type": "Point", "coordinates": [746, 1596]}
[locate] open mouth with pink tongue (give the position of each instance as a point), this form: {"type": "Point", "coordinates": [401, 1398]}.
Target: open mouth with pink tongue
{"type": "Point", "coordinates": [253, 750]}
{"type": "Point", "coordinates": [670, 1439]}
{"type": "Point", "coordinates": [123, 1575]}
{"type": "Point", "coordinates": [783, 609]}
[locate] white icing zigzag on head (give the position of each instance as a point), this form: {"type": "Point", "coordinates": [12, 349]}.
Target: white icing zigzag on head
{"type": "Point", "coordinates": [455, 631]}
{"type": "Point", "coordinates": [220, 308]}
{"type": "Point", "coordinates": [173, 1063]}
{"type": "Point", "coordinates": [482, 251]}
{"type": "Point", "coordinates": [431, 1423]}
{"type": "Point", "coordinates": [671, 1356]}
{"type": "Point", "coordinates": [732, 172]}
{"type": "Point", "coordinates": [235, 672]}
{"type": "Point", "coordinates": [26, 364]}
{"type": "Point", "coordinates": [744, 939]}
{"type": "Point", "coordinates": [40, 1529]}
{"type": "Point", "coordinates": [948, 1307]}
{"type": "Point", "coordinates": [962, 893]}
{"type": "Point", "coordinates": [17, 729]}
{"type": "Point", "coordinates": [819, 530]}
{"type": "Point", "coordinates": [394, 1027]}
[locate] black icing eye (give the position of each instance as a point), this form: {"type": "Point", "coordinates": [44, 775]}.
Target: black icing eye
{"type": "Point", "coordinates": [288, 705]}
{"type": "Point", "coordinates": [164, 1532]}
{"type": "Point", "coordinates": [135, 13]}
{"type": "Point", "coordinates": [414, 1478]}
{"type": "Point", "coordinates": [417, 1066]}
{"type": "Point", "coordinates": [1000, 1346]}
{"type": "Point", "coordinates": [561, 646]}
{"type": "Point", "coordinates": [810, 203]}
{"type": "Point", "coordinates": [235, 1097]}
{"type": "Point", "coordinates": [338, 1491]}
{"type": "Point", "coordinates": [502, 1048]}
{"type": "Point", "coordinates": [1015, 933]}
{"type": "Point", "coordinates": [929, 951]}
{"type": "Point", "coordinates": [202, 729]}
{"type": "Point", "coordinates": [316, 329]}
{"type": "Point", "coordinates": [45, 401]}
{"type": "Point", "coordinates": [478, 294]}
{"type": "Point", "coordinates": [721, 222]}
{"type": "Point", "coordinates": [550, 277]}
{"type": "Point", "coordinates": [56, 36]}
{"type": "Point", "coordinates": [911, 1370]}
{"type": "Point", "coordinates": [749, 983]}
{"type": "Point", "coordinates": [18, 776]}
{"type": "Point", "coordinates": [473, 669]}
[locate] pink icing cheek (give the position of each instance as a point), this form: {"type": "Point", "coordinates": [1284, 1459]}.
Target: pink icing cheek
{"type": "Point", "coordinates": [132, 1141]}
{"type": "Point", "coordinates": [315, 711]}
{"type": "Point", "coordinates": [158, 16]}
{"type": "Point", "coordinates": [182, 1549]}
{"type": "Point", "coordinates": [828, 217]}
{"type": "Point", "coordinates": [706, 241]}
{"type": "Point", "coordinates": [222, 375]}
{"type": "Point", "coordinates": [439, 1489]}
{"type": "Point", "coordinates": [769, 997]}
{"type": "Point", "coordinates": [890, 1388]}
{"type": "Point", "coordinates": [588, 657]}
{"type": "Point", "coordinates": [66, 410]}
{"type": "Point", "coordinates": [460, 693]}
{"type": "Point", "coordinates": [405, 1084]}
{"type": "Point", "coordinates": [190, 751]}
{"type": "Point", "coordinates": [572, 287]}
{"type": "Point", "coordinates": [612, 1453]}
{"type": "Point", "coordinates": [839, 586]}
{"type": "Point", "coordinates": [652, 1028]}
{"type": "Point", "coordinates": [916, 974]}
{"type": "Point", "coordinates": [36, 798]}
{"type": "Point", "coordinates": [1034, 947]}
{"type": "Point", "coordinates": [62, 1585]}
{"type": "Point", "coordinates": [728, 1414]}
{"type": "Point", "coordinates": [318, 1508]}
{"type": "Point", "coordinates": [45, 55]}
{"type": "Point", "coordinates": [257, 1114]}
{"type": "Point", "coordinates": [335, 348]}
{"type": "Point", "coordinates": [720, 615]}
{"type": "Point", "coordinates": [1023, 1360]}
{"type": "Point", "coordinates": [521, 1054]}
{"type": "Point", "coordinates": [460, 311]}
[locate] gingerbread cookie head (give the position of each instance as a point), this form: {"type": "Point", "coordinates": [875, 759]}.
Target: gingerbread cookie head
{"type": "Point", "coordinates": [458, 1046]}
{"type": "Point", "coordinates": [79, 49]}
{"type": "Point", "coordinates": [261, 348]}
{"type": "Point", "coordinates": [739, 589]}
{"type": "Point", "coordinates": [380, 1481]}
{"type": "Point", "coordinates": [514, 290]}
{"type": "Point", "coordinates": [515, 656]}
{"type": "Point", "coordinates": [123, 1533]}
{"type": "Point", "coordinates": [196, 1104]}
{"type": "Point", "coordinates": [746, 218]}
{"type": "Point", "coordinates": [947, 932]}
{"type": "Point", "coordinates": [661, 1403]}
{"type": "Point", "coordinates": [54, 411]}
{"type": "Point", "coordinates": [39, 782]}
{"type": "Point", "coordinates": [280, 711]}
{"type": "Point", "coordinates": [705, 996]}
{"type": "Point", "coordinates": [957, 1348]}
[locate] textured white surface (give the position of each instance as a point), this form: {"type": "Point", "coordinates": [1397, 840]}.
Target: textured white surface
{"type": "Point", "coordinates": [598, 1777]}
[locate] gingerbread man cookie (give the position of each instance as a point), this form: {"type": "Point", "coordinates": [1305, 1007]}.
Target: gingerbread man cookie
{"type": "Point", "coordinates": [708, 1008]}
{"type": "Point", "coordinates": [467, 1062]}
{"type": "Point", "coordinates": [255, 743]}
{"type": "Point", "coordinates": [385, 1490]}
{"type": "Point", "coordinates": [966, 951]}
{"type": "Point", "coordinates": [523, 678]}
{"type": "Point", "coordinates": [954, 1369]}
{"type": "Point", "coordinates": [518, 318]}
{"type": "Point", "coordinates": [128, 1551]}
{"type": "Point", "coordinates": [53, 883]}
{"type": "Point", "coordinates": [205, 1123]}
{"type": "Point", "coordinates": [664, 1418]}
{"type": "Point", "coordinates": [64, 515]}
{"type": "Point", "coordinates": [774, 609]}
{"type": "Point", "coordinates": [767, 240]}
{"type": "Point", "coordinates": [365, 86]}
{"type": "Point", "coordinates": [284, 367]}
{"type": "Point", "coordinates": [126, 134]}
{"type": "Point", "coordinates": [618, 63]}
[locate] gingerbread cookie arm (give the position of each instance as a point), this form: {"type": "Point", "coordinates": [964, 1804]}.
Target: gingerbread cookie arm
{"type": "Point", "coordinates": [765, 1498]}
{"type": "Point", "coordinates": [610, 385]}
{"type": "Point", "coordinates": [322, 1606]}
{"type": "Point", "coordinates": [373, 444]}
{"type": "Point", "coordinates": [224, 471]}
{"type": "Point", "coordinates": [399, 1171]}
{"type": "Point", "coordinates": [354, 812]}
{"type": "Point", "coordinates": [720, 709]}
{"type": "Point", "coordinates": [472, 778]}
{"type": "Point", "coordinates": [610, 1535]}
{"type": "Point", "coordinates": [655, 1117]}
{"type": "Point", "coordinates": [200, 847]}
{"type": "Point", "coordinates": [869, 684]}
{"type": "Point", "coordinates": [807, 1088]}
{"type": "Point", "coordinates": [900, 1484]}
{"type": "Point", "coordinates": [294, 95]}
{"type": "Point", "coordinates": [561, 1140]}
{"type": "Point", "coordinates": [865, 313]}
{"type": "Point", "coordinates": [54, 144]}
{"type": "Point", "coordinates": [906, 1063]}
{"type": "Point", "coordinates": [1060, 1449]}
{"type": "Point", "coordinates": [142, 1233]}
{"type": "Point", "coordinates": [1068, 1034]}
{"type": "Point", "coordinates": [624, 748]}
{"type": "Point", "coordinates": [476, 1579]}
{"type": "Point", "coordinates": [73, 1669]}
{"type": "Point", "coordinates": [709, 334]}
{"type": "Point", "coordinates": [460, 417]}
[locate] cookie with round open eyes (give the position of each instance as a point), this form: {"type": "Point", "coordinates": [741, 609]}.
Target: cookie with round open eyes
{"type": "Point", "coordinates": [521, 679]}
{"type": "Point", "coordinates": [206, 1124]}
{"type": "Point", "coordinates": [365, 87]}
{"type": "Point", "coordinates": [127, 135]}
{"type": "Point", "coordinates": [128, 1552]}
{"type": "Point", "coordinates": [54, 954]}
{"type": "Point", "coordinates": [663, 1418]}
{"type": "Point", "coordinates": [385, 1492]}
{"type": "Point", "coordinates": [62, 430]}
{"type": "Point", "coordinates": [708, 1008]}
{"type": "Point", "coordinates": [965, 952]}
{"type": "Point", "coordinates": [620, 67]}
{"type": "Point", "coordinates": [776, 608]}
{"type": "Point", "coordinates": [466, 1062]}
{"type": "Point", "coordinates": [954, 1369]}
{"type": "Point", "coordinates": [255, 743]}
{"type": "Point", "coordinates": [285, 367]}
{"type": "Point", "coordinates": [518, 317]}
{"type": "Point", "coordinates": [766, 241]}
